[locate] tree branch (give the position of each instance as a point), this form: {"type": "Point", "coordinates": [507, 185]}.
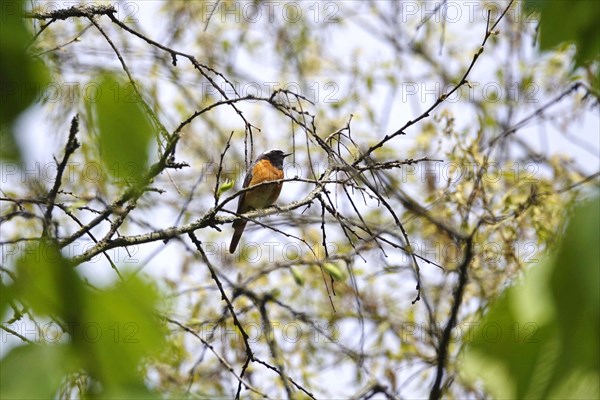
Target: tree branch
{"type": "Point", "coordinates": [74, 11]}
{"type": "Point", "coordinates": [443, 97]}
{"type": "Point", "coordinates": [70, 148]}
{"type": "Point", "coordinates": [442, 350]}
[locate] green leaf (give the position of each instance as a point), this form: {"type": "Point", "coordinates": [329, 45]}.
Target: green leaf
{"type": "Point", "coordinates": [5, 297]}
{"type": "Point", "coordinates": [34, 371]}
{"type": "Point", "coordinates": [8, 147]}
{"type": "Point", "coordinates": [225, 186]}
{"type": "Point", "coordinates": [47, 282]}
{"type": "Point", "coordinates": [573, 21]}
{"type": "Point", "coordinates": [576, 292]}
{"type": "Point", "coordinates": [121, 328]}
{"type": "Point", "coordinates": [110, 331]}
{"type": "Point", "coordinates": [125, 130]}
{"type": "Point", "coordinates": [509, 342]}
{"type": "Point", "coordinates": [297, 275]}
{"type": "Point", "coordinates": [333, 270]}
{"type": "Point", "coordinates": [22, 78]}
{"type": "Point", "coordinates": [544, 341]}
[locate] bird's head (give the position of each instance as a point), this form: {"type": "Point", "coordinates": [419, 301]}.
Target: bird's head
{"type": "Point", "coordinates": [276, 157]}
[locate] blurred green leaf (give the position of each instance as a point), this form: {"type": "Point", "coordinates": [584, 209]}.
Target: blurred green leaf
{"type": "Point", "coordinates": [34, 371]}
{"type": "Point", "coordinates": [510, 343]}
{"type": "Point", "coordinates": [575, 21]}
{"type": "Point", "coordinates": [575, 287]}
{"type": "Point", "coordinates": [111, 330]}
{"type": "Point", "coordinates": [8, 147]}
{"type": "Point", "coordinates": [5, 297]}
{"type": "Point", "coordinates": [333, 270]}
{"type": "Point", "coordinates": [122, 328]}
{"type": "Point", "coordinates": [22, 78]}
{"type": "Point", "coordinates": [125, 130]}
{"type": "Point", "coordinates": [47, 282]}
{"type": "Point", "coordinates": [540, 339]}
{"type": "Point", "coordinates": [297, 275]}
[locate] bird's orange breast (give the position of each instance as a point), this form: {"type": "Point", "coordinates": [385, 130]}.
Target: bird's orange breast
{"type": "Point", "coordinates": [265, 195]}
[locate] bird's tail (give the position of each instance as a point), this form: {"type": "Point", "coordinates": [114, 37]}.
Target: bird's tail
{"type": "Point", "coordinates": [238, 229]}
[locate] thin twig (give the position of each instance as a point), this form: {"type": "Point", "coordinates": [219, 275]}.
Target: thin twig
{"type": "Point", "coordinates": [70, 148]}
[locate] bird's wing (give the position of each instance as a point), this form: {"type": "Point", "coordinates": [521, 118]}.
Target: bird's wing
{"type": "Point", "coordinates": [247, 180]}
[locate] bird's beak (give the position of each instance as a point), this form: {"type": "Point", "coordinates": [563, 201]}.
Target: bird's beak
{"type": "Point", "coordinates": [287, 154]}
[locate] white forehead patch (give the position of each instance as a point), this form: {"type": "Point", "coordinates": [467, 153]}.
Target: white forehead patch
{"type": "Point", "coordinates": [274, 151]}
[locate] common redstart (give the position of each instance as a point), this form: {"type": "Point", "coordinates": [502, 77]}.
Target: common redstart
{"type": "Point", "coordinates": [267, 167]}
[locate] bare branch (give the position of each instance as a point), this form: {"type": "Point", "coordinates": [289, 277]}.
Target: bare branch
{"type": "Point", "coordinates": [70, 148]}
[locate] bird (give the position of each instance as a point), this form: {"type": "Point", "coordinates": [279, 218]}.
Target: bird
{"type": "Point", "coordinates": [267, 167]}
